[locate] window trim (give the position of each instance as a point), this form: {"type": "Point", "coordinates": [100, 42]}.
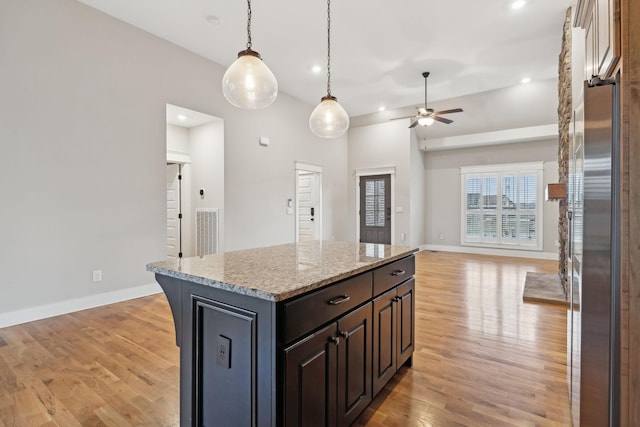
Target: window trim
{"type": "Point", "coordinates": [530, 168]}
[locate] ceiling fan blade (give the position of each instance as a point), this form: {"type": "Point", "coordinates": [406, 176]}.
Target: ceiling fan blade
{"type": "Point", "coordinates": [412, 125]}
{"type": "Point", "coordinates": [455, 110]}
{"type": "Point", "coordinates": [400, 118]}
{"type": "Point", "coordinates": [442, 119]}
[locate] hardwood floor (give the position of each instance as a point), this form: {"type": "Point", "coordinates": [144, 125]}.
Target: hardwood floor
{"type": "Point", "coordinates": [483, 358]}
{"type": "Point", "coordinates": [116, 365]}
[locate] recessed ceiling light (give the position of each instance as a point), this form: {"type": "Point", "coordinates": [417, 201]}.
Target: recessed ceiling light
{"type": "Point", "coordinates": [182, 117]}
{"type": "Point", "coordinates": [518, 4]}
{"type": "Point", "coordinates": [525, 80]}
{"type": "Point", "coordinates": [381, 108]}
{"type": "Point", "coordinates": [316, 69]}
{"type": "Point", "coordinates": [213, 19]}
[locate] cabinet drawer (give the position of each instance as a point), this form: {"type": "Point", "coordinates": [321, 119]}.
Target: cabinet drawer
{"type": "Point", "coordinates": [388, 276]}
{"type": "Point", "coordinates": [315, 309]}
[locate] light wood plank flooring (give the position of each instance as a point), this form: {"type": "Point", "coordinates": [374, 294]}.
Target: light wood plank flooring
{"type": "Point", "coordinates": [483, 358]}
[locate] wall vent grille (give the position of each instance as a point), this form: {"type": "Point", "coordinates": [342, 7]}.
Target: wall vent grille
{"type": "Point", "coordinates": [206, 231]}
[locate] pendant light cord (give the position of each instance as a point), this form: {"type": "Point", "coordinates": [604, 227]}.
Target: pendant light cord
{"type": "Point", "coordinates": [329, 47]}
{"type": "Point", "coordinates": [249, 24]}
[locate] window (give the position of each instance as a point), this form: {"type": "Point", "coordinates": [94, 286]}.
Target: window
{"type": "Point", "coordinates": [374, 203]}
{"type": "Point", "coordinates": [502, 206]}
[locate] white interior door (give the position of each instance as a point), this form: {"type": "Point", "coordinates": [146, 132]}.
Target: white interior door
{"type": "Point", "coordinates": [309, 212]}
{"type": "Point", "coordinates": [173, 210]}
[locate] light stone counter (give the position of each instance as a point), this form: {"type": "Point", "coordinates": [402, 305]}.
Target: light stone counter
{"type": "Point", "coordinates": [280, 272]}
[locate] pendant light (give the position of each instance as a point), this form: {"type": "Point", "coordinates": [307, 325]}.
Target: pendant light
{"type": "Point", "coordinates": [248, 83]}
{"type": "Point", "coordinates": [329, 119]}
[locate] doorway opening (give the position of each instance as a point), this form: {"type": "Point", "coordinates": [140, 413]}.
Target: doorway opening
{"type": "Point", "coordinates": [308, 202]}
{"type": "Point", "coordinates": [195, 181]}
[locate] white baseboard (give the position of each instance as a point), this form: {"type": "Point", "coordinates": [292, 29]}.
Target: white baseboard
{"type": "Point", "coordinates": [491, 251]}
{"type": "Point", "coordinates": [30, 314]}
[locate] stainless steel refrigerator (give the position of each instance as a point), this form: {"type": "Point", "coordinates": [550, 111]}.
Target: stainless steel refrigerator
{"type": "Point", "coordinates": [595, 235]}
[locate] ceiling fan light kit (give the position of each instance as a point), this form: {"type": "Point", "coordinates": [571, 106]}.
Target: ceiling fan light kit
{"type": "Point", "coordinates": [329, 119]}
{"type": "Point", "coordinates": [248, 83]}
{"type": "Point", "coordinates": [426, 121]}
{"type": "Point", "coordinates": [427, 116]}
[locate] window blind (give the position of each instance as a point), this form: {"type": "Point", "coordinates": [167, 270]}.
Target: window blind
{"type": "Point", "coordinates": [502, 207]}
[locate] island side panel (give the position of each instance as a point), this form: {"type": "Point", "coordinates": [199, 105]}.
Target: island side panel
{"type": "Point", "coordinates": [216, 321]}
{"type": "Point", "coordinates": [172, 288]}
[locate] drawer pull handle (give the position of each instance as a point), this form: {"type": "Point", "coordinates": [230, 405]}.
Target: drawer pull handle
{"type": "Point", "coordinates": [398, 272]}
{"type": "Point", "coordinates": [339, 300]}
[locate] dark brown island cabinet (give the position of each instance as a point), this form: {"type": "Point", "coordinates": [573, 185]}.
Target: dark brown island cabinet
{"type": "Point", "coordinates": [302, 334]}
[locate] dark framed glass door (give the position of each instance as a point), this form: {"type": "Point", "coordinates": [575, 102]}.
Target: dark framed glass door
{"type": "Point", "coordinates": [375, 209]}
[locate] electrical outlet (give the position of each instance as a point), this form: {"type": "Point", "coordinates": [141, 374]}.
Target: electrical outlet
{"type": "Point", "coordinates": [223, 352]}
{"type": "Point", "coordinates": [441, 236]}
{"type": "Point", "coordinates": [97, 276]}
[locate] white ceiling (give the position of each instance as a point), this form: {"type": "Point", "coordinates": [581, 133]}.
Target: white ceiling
{"type": "Point", "coordinates": [379, 48]}
{"type": "Point", "coordinates": [186, 118]}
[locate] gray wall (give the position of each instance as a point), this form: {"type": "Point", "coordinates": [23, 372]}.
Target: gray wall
{"type": "Point", "coordinates": [418, 192]}
{"type": "Point", "coordinates": [259, 180]}
{"type": "Point", "coordinates": [83, 131]}
{"type": "Point", "coordinates": [443, 186]}
{"type": "Point", "coordinates": [380, 146]}
{"type": "Point", "coordinates": [207, 172]}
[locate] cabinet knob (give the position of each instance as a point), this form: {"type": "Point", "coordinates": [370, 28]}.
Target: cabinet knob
{"type": "Point", "coordinates": [344, 334]}
{"type": "Point", "coordinates": [334, 340]}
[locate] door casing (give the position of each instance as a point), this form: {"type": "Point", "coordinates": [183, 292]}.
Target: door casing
{"type": "Point", "coordinates": [317, 171]}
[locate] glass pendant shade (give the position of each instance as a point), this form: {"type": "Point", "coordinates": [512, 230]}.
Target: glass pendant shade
{"type": "Point", "coordinates": [329, 119]}
{"type": "Point", "coordinates": [248, 83]}
{"type": "Point", "coordinates": [425, 121]}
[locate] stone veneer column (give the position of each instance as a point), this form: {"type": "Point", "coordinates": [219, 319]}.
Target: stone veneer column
{"type": "Point", "coordinates": [564, 120]}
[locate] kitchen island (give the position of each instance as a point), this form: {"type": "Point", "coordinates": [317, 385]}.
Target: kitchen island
{"type": "Point", "coordinates": [292, 335]}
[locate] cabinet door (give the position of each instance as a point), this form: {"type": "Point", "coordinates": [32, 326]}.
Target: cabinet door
{"type": "Point", "coordinates": [384, 339]}
{"type": "Point", "coordinates": [310, 380]}
{"type": "Point", "coordinates": [354, 364]}
{"type": "Point", "coordinates": [406, 320]}
{"type": "Point", "coordinates": [608, 37]}
{"type": "Point", "coordinates": [590, 54]}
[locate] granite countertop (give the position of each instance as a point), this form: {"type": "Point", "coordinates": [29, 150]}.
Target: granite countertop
{"type": "Point", "coordinates": [280, 272]}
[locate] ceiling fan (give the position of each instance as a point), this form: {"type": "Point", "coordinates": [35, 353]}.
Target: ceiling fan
{"type": "Point", "coordinates": [426, 116]}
